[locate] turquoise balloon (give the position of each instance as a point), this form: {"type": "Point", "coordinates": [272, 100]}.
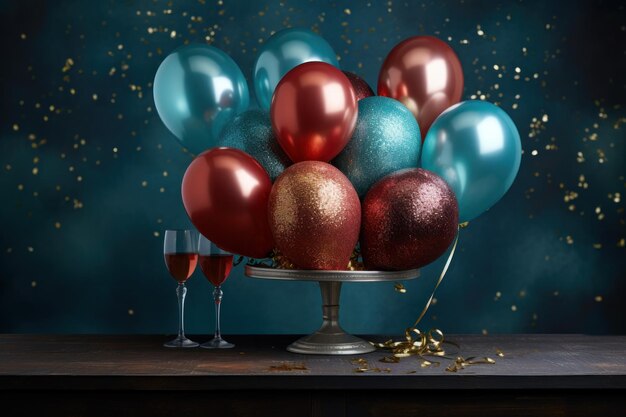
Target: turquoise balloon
{"type": "Point", "coordinates": [252, 132]}
{"type": "Point", "coordinates": [197, 90]}
{"type": "Point", "coordinates": [476, 148]}
{"type": "Point", "coordinates": [386, 139]}
{"type": "Point", "coordinates": [282, 52]}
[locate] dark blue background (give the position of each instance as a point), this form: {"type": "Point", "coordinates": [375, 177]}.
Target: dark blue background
{"type": "Point", "coordinates": [90, 177]}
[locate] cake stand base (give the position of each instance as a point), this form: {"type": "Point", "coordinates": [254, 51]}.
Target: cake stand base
{"type": "Point", "coordinates": [330, 339]}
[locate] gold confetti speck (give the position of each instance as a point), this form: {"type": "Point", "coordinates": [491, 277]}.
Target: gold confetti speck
{"type": "Point", "coordinates": [69, 63]}
{"type": "Point", "coordinates": [598, 298]}
{"type": "Point", "coordinates": [57, 225]}
{"type": "Point", "coordinates": [33, 284]}
{"type": "Point", "coordinates": [399, 288]}
{"type": "Point", "coordinates": [288, 366]}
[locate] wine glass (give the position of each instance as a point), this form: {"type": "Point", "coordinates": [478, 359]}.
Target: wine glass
{"type": "Point", "coordinates": [216, 265]}
{"type": "Point", "coordinates": [180, 249]}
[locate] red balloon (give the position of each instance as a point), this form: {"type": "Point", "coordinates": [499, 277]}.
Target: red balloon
{"type": "Point", "coordinates": [361, 87]}
{"type": "Point", "coordinates": [313, 112]}
{"type": "Point", "coordinates": [410, 217]}
{"type": "Point", "coordinates": [225, 193]}
{"type": "Point", "coordinates": [315, 216]}
{"type": "Point", "coordinates": [424, 74]}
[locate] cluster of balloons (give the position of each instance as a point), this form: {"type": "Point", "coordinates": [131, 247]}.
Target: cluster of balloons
{"type": "Point", "coordinates": [325, 162]}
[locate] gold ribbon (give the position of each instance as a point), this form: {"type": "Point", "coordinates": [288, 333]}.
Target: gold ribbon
{"type": "Point", "coordinates": [419, 343]}
{"type": "Point", "coordinates": [441, 276]}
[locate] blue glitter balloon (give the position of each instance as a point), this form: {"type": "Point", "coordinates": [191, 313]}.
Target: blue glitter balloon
{"type": "Point", "coordinates": [282, 52]}
{"type": "Point", "coordinates": [197, 90]}
{"type": "Point", "coordinates": [476, 148]}
{"type": "Point", "coordinates": [252, 132]}
{"type": "Point", "coordinates": [386, 139]}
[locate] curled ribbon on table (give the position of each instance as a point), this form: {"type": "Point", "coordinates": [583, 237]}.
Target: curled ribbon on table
{"type": "Point", "coordinates": [419, 343]}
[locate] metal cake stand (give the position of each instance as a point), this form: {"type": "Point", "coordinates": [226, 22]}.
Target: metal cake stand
{"type": "Point", "coordinates": [330, 339]}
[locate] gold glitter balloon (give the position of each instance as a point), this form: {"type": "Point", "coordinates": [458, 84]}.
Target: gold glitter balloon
{"type": "Point", "coordinates": [315, 216]}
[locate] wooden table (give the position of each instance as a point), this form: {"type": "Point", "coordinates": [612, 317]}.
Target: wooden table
{"type": "Point", "coordinates": [543, 375]}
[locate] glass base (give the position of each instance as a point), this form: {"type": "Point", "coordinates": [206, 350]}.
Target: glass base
{"type": "Point", "coordinates": [181, 342]}
{"type": "Point", "coordinates": [217, 343]}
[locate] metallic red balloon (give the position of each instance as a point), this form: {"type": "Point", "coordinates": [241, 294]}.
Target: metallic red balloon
{"type": "Point", "coordinates": [424, 74]}
{"type": "Point", "coordinates": [315, 216]}
{"type": "Point", "coordinates": [361, 87]}
{"type": "Point", "coordinates": [410, 218]}
{"type": "Point", "coordinates": [225, 193]}
{"type": "Point", "coordinates": [313, 112]}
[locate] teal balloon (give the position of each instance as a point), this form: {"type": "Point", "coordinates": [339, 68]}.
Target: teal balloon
{"type": "Point", "coordinates": [197, 90]}
{"type": "Point", "coordinates": [252, 132]}
{"type": "Point", "coordinates": [282, 52]}
{"type": "Point", "coordinates": [386, 139]}
{"type": "Point", "coordinates": [476, 148]}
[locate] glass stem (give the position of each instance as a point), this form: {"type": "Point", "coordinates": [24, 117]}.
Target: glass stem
{"type": "Point", "coordinates": [217, 296]}
{"type": "Point", "coordinates": [181, 290]}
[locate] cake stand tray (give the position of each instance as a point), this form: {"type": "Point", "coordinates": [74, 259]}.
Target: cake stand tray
{"type": "Point", "coordinates": [330, 339]}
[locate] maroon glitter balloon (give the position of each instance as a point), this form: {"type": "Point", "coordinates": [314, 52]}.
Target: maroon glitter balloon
{"type": "Point", "coordinates": [410, 217]}
{"type": "Point", "coordinates": [361, 88]}
{"type": "Point", "coordinates": [315, 216]}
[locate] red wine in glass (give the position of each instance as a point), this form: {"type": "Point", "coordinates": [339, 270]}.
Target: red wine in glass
{"type": "Point", "coordinates": [216, 268]}
{"type": "Point", "coordinates": [180, 249]}
{"type": "Point", "coordinates": [216, 265]}
{"type": "Point", "coordinates": [181, 265]}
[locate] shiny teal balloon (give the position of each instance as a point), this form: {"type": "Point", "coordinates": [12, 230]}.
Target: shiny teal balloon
{"type": "Point", "coordinates": [252, 132]}
{"type": "Point", "coordinates": [197, 90]}
{"type": "Point", "coordinates": [476, 148]}
{"type": "Point", "coordinates": [282, 52]}
{"type": "Point", "coordinates": [386, 139]}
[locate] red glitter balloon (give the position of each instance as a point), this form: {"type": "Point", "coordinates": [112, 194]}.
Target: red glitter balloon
{"type": "Point", "coordinates": [315, 216]}
{"type": "Point", "coordinates": [361, 88]}
{"type": "Point", "coordinates": [410, 217]}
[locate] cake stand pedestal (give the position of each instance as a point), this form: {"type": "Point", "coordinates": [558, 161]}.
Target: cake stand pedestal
{"type": "Point", "coordinates": [330, 338]}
